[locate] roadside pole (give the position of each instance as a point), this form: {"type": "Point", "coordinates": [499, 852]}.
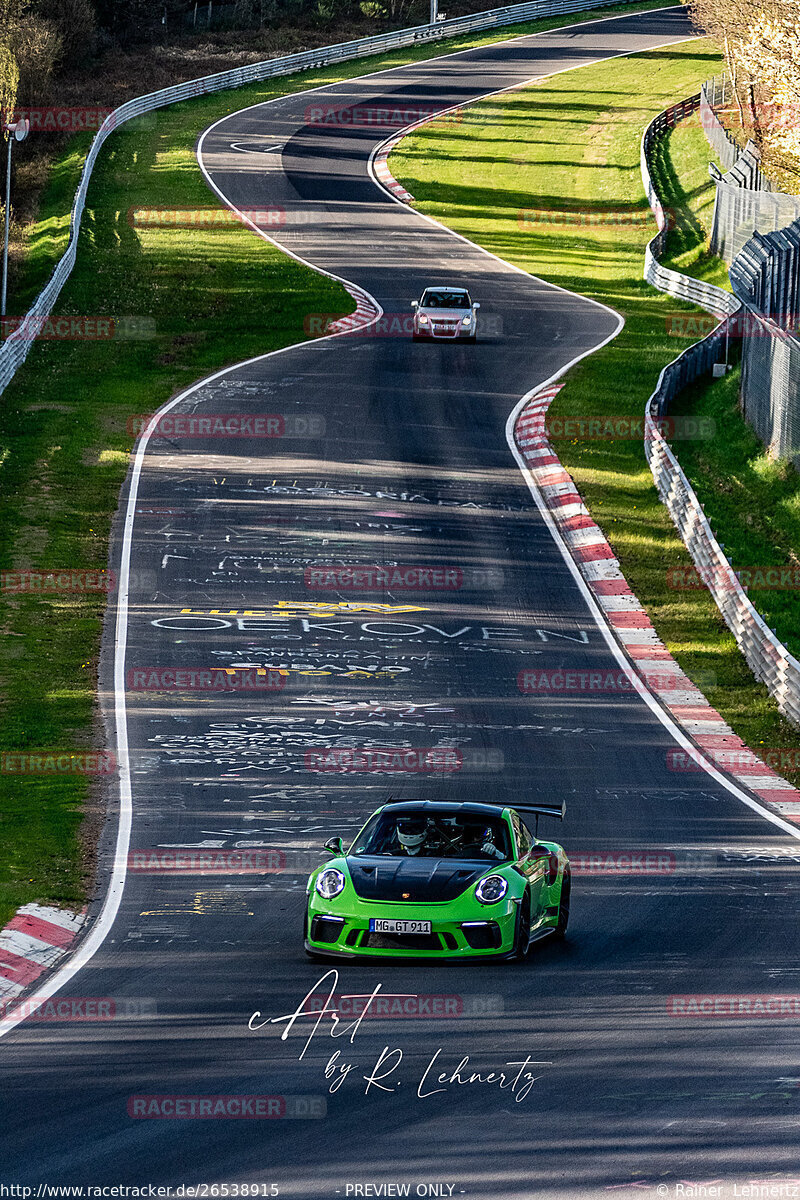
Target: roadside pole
{"type": "Point", "coordinates": [20, 131]}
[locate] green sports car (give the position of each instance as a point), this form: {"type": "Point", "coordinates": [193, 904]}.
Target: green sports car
{"type": "Point", "coordinates": [430, 879]}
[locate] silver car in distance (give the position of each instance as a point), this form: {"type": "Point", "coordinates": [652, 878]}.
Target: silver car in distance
{"type": "Point", "coordinates": [445, 313]}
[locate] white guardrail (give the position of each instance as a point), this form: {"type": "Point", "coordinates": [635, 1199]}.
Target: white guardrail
{"type": "Point", "coordinates": [767, 657]}
{"type": "Point", "coordinates": [14, 350]}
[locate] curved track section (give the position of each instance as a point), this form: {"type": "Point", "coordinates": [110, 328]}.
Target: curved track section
{"type": "Point", "coordinates": [396, 453]}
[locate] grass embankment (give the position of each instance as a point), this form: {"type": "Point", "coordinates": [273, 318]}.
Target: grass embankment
{"type": "Point", "coordinates": [679, 168]}
{"type": "Point", "coordinates": [120, 74]}
{"type": "Point", "coordinates": [199, 299]}
{"type": "Point", "coordinates": [752, 502]}
{"type": "Point", "coordinates": [205, 298]}
{"type": "Point", "coordinates": [570, 145]}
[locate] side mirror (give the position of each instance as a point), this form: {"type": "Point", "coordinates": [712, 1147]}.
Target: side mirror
{"type": "Point", "coordinates": [476, 306]}
{"type": "Point", "coordinates": [335, 845]}
{"type": "Point", "coordinates": [415, 303]}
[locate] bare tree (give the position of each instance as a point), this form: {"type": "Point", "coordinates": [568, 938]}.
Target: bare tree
{"type": "Point", "coordinates": [727, 22]}
{"type": "Point", "coordinates": [761, 42]}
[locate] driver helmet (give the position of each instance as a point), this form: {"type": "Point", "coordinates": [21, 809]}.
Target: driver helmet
{"type": "Point", "coordinates": [411, 833]}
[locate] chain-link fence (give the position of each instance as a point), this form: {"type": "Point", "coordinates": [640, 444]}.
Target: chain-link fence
{"type": "Point", "coordinates": [757, 231]}
{"type": "Point", "coordinates": [715, 93]}
{"type": "Point", "coordinates": [746, 201]}
{"type": "Point", "coordinates": [766, 278]}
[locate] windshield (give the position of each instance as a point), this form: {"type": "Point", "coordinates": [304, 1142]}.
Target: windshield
{"type": "Point", "coordinates": [436, 298]}
{"type": "Point", "coordinates": [439, 835]}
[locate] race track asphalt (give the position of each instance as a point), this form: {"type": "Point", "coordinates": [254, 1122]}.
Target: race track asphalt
{"type": "Point", "coordinates": [393, 452]}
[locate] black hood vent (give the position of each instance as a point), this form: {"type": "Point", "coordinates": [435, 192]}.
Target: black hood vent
{"type": "Point", "coordinates": [416, 880]}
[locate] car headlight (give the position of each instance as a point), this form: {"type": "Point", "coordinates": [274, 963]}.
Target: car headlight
{"type": "Point", "coordinates": [329, 883]}
{"type": "Point", "coordinates": [467, 321]}
{"type": "Point", "coordinates": [423, 320]}
{"type": "Point", "coordinates": [491, 889]}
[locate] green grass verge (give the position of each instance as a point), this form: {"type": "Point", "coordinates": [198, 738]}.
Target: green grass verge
{"type": "Point", "coordinates": [210, 299]}
{"type": "Point", "coordinates": [571, 145]}
{"type": "Point", "coordinates": [752, 502]}
{"type": "Point", "coordinates": [679, 168]}
{"type": "Point", "coordinates": [47, 238]}
{"type": "Point", "coordinates": [202, 299]}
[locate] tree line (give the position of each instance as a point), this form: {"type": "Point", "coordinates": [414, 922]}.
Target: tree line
{"type": "Point", "coordinates": [38, 38]}
{"type": "Point", "coordinates": [41, 38]}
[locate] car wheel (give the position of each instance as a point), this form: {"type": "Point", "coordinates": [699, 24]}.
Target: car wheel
{"type": "Point", "coordinates": [563, 906]}
{"type": "Point", "coordinates": [522, 934]}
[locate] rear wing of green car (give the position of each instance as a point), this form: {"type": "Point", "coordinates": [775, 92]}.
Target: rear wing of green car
{"type": "Point", "coordinates": [543, 810]}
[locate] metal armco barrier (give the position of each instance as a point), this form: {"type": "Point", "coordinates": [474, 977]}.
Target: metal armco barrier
{"type": "Point", "coordinates": [14, 350]}
{"type": "Point", "coordinates": [767, 657]}
{"type": "Point", "coordinates": [713, 92]}
{"type": "Point", "coordinates": [766, 275]}
{"type": "Point", "coordinates": [707, 295]}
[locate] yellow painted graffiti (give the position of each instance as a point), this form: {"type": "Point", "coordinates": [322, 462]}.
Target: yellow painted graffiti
{"type": "Point", "coordinates": [203, 903]}
{"type": "Point", "coordinates": [305, 608]}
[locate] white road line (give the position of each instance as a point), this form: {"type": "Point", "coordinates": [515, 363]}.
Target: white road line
{"type": "Point", "coordinates": [610, 638]}
{"type": "Point", "coordinates": [102, 926]}
{"type": "Point", "coordinates": [251, 150]}
{"type": "Point", "coordinates": [666, 720]}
